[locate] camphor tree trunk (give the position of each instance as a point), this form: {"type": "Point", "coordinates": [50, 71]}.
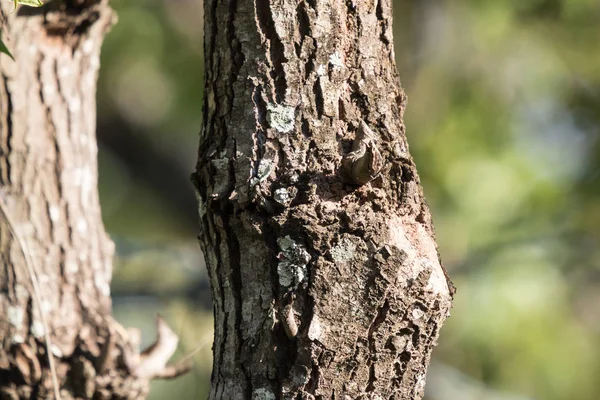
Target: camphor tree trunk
{"type": "Point", "coordinates": [319, 244]}
{"type": "Point", "coordinates": [51, 214]}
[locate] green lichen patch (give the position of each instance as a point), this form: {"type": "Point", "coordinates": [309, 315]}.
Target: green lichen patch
{"type": "Point", "coordinates": [293, 260]}
{"type": "Point", "coordinates": [281, 117]}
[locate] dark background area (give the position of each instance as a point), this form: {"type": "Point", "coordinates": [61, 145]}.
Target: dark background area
{"type": "Point", "coordinates": [503, 122]}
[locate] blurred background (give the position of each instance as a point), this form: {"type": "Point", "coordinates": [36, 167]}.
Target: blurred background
{"type": "Point", "coordinates": [503, 120]}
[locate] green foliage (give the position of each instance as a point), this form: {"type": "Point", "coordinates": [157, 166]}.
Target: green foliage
{"type": "Point", "coordinates": [30, 3]}
{"type": "Point", "coordinates": [4, 49]}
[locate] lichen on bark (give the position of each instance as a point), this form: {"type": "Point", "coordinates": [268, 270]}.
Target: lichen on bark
{"type": "Point", "coordinates": [368, 313]}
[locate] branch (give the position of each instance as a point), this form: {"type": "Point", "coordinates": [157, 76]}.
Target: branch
{"type": "Point", "coordinates": [153, 361]}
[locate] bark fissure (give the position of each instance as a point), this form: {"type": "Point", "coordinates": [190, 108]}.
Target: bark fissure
{"type": "Point", "coordinates": [6, 130]}
{"type": "Point", "coordinates": [222, 327]}
{"type": "Point", "coordinates": [276, 53]}
{"type": "Point", "coordinates": [304, 28]}
{"type": "Point", "coordinates": [234, 257]}
{"type": "Point", "coordinates": [259, 138]}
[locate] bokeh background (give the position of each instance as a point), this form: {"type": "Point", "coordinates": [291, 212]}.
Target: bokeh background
{"type": "Point", "coordinates": [503, 120]}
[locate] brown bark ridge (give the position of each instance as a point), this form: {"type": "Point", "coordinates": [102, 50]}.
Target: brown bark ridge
{"type": "Point", "coordinates": [56, 259]}
{"type": "Point", "coordinates": [325, 274]}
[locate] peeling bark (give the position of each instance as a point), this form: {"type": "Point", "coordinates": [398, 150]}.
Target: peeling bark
{"type": "Point", "coordinates": [48, 189]}
{"type": "Point", "coordinates": [324, 285]}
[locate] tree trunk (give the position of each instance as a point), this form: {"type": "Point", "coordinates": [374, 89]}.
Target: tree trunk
{"type": "Point", "coordinates": [324, 270]}
{"type": "Point", "coordinates": [56, 257]}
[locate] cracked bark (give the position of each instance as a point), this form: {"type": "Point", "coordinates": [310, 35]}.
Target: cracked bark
{"type": "Point", "coordinates": [321, 289]}
{"type": "Point", "coordinates": [48, 186]}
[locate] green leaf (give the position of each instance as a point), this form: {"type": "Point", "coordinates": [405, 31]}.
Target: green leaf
{"type": "Point", "coordinates": [30, 3]}
{"type": "Point", "coordinates": [4, 49]}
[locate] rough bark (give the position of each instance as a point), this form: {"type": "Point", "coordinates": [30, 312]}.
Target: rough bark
{"type": "Point", "coordinates": [48, 176]}
{"type": "Point", "coordinates": [325, 275]}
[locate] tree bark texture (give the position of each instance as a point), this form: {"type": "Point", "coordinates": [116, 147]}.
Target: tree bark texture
{"type": "Point", "coordinates": [48, 188]}
{"type": "Point", "coordinates": [325, 274]}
